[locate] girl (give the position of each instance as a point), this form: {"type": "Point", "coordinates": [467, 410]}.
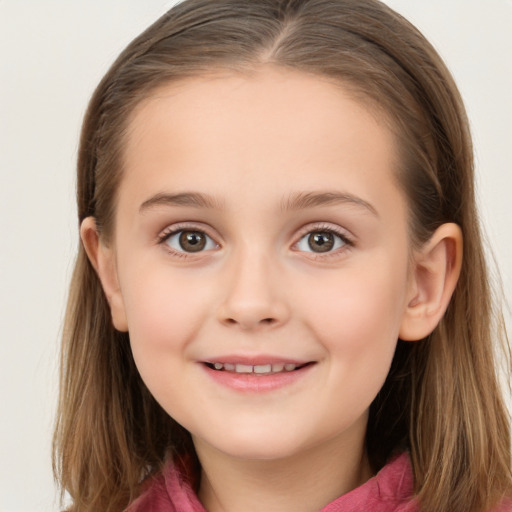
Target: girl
{"type": "Point", "coordinates": [280, 302]}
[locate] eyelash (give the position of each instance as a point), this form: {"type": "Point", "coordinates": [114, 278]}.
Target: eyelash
{"type": "Point", "coordinates": [347, 241]}
{"type": "Point", "coordinates": [171, 231]}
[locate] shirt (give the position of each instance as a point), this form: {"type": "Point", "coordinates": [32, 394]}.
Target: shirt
{"type": "Point", "coordinates": [391, 490]}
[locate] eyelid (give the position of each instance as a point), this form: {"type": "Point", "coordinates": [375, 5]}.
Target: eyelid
{"type": "Point", "coordinates": [319, 227]}
{"type": "Point", "coordinates": [186, 226]}
{"type": "Point", "coordinates": [174, 229]}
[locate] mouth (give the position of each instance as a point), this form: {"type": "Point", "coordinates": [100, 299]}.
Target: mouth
{"type": "Point", "coordinates": [257, 369]}
{"type": "Point", "coordinates": [256, 375]}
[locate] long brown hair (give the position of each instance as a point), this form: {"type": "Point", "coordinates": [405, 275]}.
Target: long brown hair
{"type": "Point", "coordinates": [442, 400]}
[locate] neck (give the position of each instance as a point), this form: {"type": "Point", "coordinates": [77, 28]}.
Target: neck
{"type": "Point", "coordinates": [301, 483]}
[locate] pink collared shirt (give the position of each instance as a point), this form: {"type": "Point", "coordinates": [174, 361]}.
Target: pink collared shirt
{"type": "Point", "coordinates": [391, 490]}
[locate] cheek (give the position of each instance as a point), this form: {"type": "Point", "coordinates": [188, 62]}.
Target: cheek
{"type": "Point", "coordinates": [358, 315]}
{"type": "Point", "coordinates": [163, 315]}
{"type": "Point", "coordinates": [358, 328]}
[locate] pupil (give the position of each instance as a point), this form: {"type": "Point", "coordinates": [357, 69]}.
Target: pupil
{"type": "Point", "coordinates": [192, 241]}
{"type": "Point", "coordinates": [321, 242]}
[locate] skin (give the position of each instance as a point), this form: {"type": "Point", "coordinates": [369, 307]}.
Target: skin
{"type": "Point", "coordinates": [254, 145]}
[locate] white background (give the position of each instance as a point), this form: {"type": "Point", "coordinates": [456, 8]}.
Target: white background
{"type": "Point", "coordinates": [52, 54]}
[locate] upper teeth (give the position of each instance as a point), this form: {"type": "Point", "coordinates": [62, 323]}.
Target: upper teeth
{"type": "Point", "coordinates": [257, 368]}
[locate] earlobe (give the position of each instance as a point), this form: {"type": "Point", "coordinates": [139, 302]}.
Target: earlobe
{"type": "Point", "coordinates": [433, 278]}
{"type": "Point", "coordinates": [102, 258]}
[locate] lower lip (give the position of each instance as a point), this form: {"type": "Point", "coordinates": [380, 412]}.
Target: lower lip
{"type": "Point", "coordinates": [254, 383]}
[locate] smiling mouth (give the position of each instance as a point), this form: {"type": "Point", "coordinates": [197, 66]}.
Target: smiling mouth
{"type": "Point", "coordinates": [259, 369]}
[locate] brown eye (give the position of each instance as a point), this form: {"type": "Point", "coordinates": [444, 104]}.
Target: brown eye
{"type": "Point", "coordinates": [190, 241]}
{"type": "Point", "coordinates": [321, 242]}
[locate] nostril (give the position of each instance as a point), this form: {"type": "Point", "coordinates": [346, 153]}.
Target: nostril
{"type": "Point", "coordinates": [263, 321]}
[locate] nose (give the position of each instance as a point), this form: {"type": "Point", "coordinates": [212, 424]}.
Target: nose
{"type": "Point", "coordinates": [254, 296]}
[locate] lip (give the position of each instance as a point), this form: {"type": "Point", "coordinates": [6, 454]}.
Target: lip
{"type": "Point", "coordinates": [255, 360]}
{"type": "Point", "coordinates": [254, 382]}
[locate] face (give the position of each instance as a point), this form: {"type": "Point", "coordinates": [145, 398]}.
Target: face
{"type": "Point", "coordinates": [261, 257]}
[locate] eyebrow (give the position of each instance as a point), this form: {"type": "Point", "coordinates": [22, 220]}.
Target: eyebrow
{"type": "Point", "coordinates": [302, 200]}
{"type": "Point", "coordinates": [296, 201]}
{"type": "Point", "coordinates": [191, 199]}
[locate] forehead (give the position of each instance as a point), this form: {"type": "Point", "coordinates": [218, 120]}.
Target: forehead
{"type": "Point", "coordinates": [267, 91]}
{"type": "Point", "coordinates": [231, 128]}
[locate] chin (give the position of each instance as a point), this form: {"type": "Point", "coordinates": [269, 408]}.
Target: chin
{"type": "Point", "coordinates": [264, 446]}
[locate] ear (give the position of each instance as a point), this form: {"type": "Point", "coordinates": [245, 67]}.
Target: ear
{"type": "Point", "coordinates": [434, 274]}
{"type": "Point", "coordinates": [103, 260]}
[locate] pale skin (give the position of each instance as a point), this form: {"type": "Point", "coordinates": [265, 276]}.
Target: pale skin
{"type": "Point", "coordinates": [254, 166]}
